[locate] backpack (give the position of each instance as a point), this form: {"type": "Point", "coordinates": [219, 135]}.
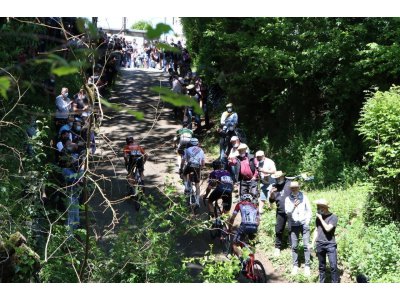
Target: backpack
{"type": "Point", "coordinates": [247, 168]}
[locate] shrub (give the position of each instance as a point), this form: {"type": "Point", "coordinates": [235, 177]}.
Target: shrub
{"type": "Point", "coordinates": [218, 270]}
{"type": "Point", "coordinates": [373, 251]}
{"type": "Point", "coordinates": [379, 126]}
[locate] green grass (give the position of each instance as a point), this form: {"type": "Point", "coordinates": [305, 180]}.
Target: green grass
{"type": "Point", "coordinates": [347, 204]}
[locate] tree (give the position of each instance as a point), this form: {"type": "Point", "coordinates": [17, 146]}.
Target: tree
{"type": "Point", "coordinates": [379, 126]}
{"type": "Point", "coordinates": [303, 80]}
{"type": "Point", "coordinates": [141, 25]}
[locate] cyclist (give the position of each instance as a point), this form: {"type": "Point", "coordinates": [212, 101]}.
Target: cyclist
{"type": "Point", "coordinates": [193, 159]}
{"type": "Point", "coordinates": [182, 140]}
{"type": "Point", "coordinates": [249, 223]}
{"type": "Point", "coordinates": [228, 123]}
{"type": "Point", "coordinates": [134, 155]}
{"type": "Point", "coordinates": [222, 183]}
{"type": "Point", "coordinates": [229, 116]}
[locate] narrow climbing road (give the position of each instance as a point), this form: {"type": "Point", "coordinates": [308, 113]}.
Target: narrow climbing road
{"type": "Point", "coordinates": [155, 133]}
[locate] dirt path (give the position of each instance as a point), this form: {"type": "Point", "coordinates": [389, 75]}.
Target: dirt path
{"type": "Point", "coordinates": [155, 133]}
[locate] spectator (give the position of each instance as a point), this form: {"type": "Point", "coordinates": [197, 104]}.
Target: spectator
{"type": "Point", "coordinates": [80, 101]}
{"type": "Point", "coordinates": [324, 238]}
{"type": "Point", "coordinates": [265, 167]}
{"type": "Point", "coordinates": [63, 107]}
{"type": "Point", "coordinates": [280, 190]}
{"type": "Point", "coordinates": [247, 172]}
{"type": "Point", "coordinates": [298, 209]}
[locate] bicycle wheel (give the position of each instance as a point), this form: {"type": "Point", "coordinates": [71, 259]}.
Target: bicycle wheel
{"type": "Point", "coordinates": [216, 227]}
{"type": "Point", "coordinates": [258, 273]}
{"type": "Point", "coordinates": [226, 239]}
{"type": "Point", "coordinates": [214, 230]}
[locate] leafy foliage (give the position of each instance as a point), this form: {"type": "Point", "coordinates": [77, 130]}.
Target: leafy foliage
{"type": "Point", "coordinates": [177, 100]}
{"type": "Point", "coordinates": [141, 25]}
{"type": "Point", "coordinates": [298, 83]}
{"type": "Point", "coordinates": [379, 126]}
{"type": "Point", "coordinates": [217, 269]}
{"type": "Point", "coordinates": [154, 33]}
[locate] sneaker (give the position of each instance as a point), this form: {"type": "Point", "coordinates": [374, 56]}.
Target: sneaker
{"type": "Point", "coordinates": [295, 270]}
{"type": "Point", "coordinates": [307, 271]}
{"type": "Point", "coordinates": [277, 252]}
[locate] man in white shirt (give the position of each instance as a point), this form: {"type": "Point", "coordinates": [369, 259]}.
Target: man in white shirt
{"type": "Point", "coordinates": [63, 107]}
{"type": "Point", "coordinates": [229, 116]}
{"type": "Point", "coordinates": [298, 209]}
{"type": "Point", "coordinates": [266, 167]}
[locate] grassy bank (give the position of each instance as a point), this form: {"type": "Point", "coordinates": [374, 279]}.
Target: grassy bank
{"type": "Point", "coordinates": [371, 250]}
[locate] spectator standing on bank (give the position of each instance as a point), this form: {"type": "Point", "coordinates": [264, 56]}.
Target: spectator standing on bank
{"type": "Point", "coordinates": [298, 209]}
{"type": "Point", "coordinates": [324, 239]}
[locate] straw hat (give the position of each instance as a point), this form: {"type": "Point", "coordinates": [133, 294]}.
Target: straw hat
{"type": "Point", "coordinates": [294, 184]}
{"type": "Point", "coordinates": [277, 174]}
{"type": "Point", "coordinates": [322, 202]}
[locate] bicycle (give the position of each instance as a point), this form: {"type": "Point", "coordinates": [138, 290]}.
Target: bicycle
{"type": "Point", "coordinates": [136, 187]}
{"type": "Point", "coordinates": [191, 195]}
{"type": "Point", "coordinates": [252, 268]}
{"type": "Point", "coordinates": [219, 228]}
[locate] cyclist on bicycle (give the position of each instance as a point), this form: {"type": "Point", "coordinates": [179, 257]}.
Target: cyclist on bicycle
{"type": "Point", "coordinates": [134, 155]}
{"type": "Point", "coordinates": [182, 141]}
{"type": "Point", "coordinates": [249, 223]}
{"type": "Point", "coordinates": [222, 183]}
{"type": "Point", "coordinates": [193, 159]}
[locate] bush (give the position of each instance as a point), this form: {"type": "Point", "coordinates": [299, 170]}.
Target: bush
{"type": "Point", "coordinates": [375, 213]}
{"type": "Point", "coordinates": [378, 125]}
{"type": "Point", "coordinates": [373, 251]}
{"type": "Point", "coordinates": [218, 270]}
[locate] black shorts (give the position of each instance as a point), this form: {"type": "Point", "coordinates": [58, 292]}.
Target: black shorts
{"type": "Point", "coordinates": [224, 194]}
{"type": "Point", "coordinates": [196, 173]}
{"type": "Point", "coordinates": [249, 187]}
{"type": "Point", "coordinates": [135, 162]}
{"type": "Point", "coordinates": [245, 230]}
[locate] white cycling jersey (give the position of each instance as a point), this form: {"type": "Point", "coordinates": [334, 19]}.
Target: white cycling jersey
{"type": "Point", "coordinates": [194, 156]}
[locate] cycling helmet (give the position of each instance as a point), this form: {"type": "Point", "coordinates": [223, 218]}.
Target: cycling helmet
{"type": "Point", "coordinates": [129, 139]}
{"type": "Point", "coordinates": [194, 141]}
{"type": "Point", "coordinates": [246, 197]}
{"type": "Point", "coordinates": [216, 164]}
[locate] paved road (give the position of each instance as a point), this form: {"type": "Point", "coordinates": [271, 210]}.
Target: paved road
{"type": "Point", "coordinates": [155, 132]}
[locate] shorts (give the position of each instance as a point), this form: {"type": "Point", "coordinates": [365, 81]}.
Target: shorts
{"type": "Point", "coordinates": [135, 162]}
{"type": "Point", "coordinates": [265, 192]}
{"type": "Point", "coordinates": [196, 173]}
{"type": "Point", "coordinates": [249, 187]}
{"type": "Point", "coordinates": [245, 230]}
{"type": "Point", "coordinates": [183, 144]}
{"type": "Point", "coordinates": [224, 194]}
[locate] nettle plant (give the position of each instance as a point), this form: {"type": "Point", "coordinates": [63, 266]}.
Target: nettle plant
{"type": "Point", "coordinates": [379, 126]}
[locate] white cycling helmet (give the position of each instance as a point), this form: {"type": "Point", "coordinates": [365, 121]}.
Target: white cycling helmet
{"type": "Point", "coordinates": [194, 141]}
{"type": "Point", "coordinates": [247, 197]}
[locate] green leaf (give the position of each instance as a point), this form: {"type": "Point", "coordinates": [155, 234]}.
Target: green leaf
{"type": "Point", "coordinates": [177, 100]}
{"type": "Point", "coordinates": [154, 33]}
{"type": "Point", "coordinates": [65, 70]}
{"type": "Point", "coordinates": [168, 47]}
{"type": "Point", "coordinates": [137, 114]}
{"type": "Point", "coordinates": [4, 86]}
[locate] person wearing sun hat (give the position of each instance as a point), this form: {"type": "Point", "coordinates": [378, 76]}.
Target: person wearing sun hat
{"type": "Point", "coordinates": [298, 209]}
{"type": "Point", "coordinates": [278, 193]}
{"type": "Point", "coordinates": [324, 240]}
